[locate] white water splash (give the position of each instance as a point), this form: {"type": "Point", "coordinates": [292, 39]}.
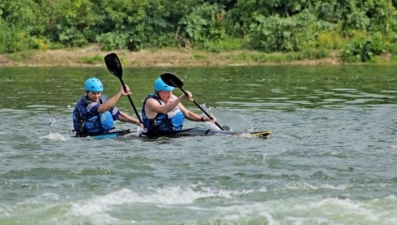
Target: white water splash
{"type": "Point", "coordinates": [230, 119]}
{"type": "Point", "coordinates": [56, 137]}
{"type": "Point", "coordinates": [52, 120]}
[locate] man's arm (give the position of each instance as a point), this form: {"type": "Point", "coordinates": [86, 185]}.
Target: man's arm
{"type": "Point", "coordinates": [111, 102]}
{"type": "Point", "coordinates": [124, 117]}
{"type": "Point", "coordinates": [153, 107]}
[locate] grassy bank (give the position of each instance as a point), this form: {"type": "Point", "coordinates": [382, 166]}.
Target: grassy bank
{"type": "Point", "coordinates": [92, 56]}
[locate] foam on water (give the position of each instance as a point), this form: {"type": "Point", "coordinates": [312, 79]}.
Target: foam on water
{"type": "Point", "coordinates": [50, 208]}
{"type": "Point", "coordinates": [56, 137]}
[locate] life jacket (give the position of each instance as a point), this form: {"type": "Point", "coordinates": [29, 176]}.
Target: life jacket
{"type": "Point", "coordinates": [100, 124]}
{"type": "Point", "coordinates": [172, 121]}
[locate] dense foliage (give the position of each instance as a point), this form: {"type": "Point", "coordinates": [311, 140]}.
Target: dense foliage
{"type": "Point", "coordinates": [359, 29]}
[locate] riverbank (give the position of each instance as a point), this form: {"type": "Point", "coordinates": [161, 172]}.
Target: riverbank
{"type": "Point", "coordinates": [93, 56]}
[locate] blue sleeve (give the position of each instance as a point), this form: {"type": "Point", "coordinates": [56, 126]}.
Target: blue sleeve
{"type": "Point", "coordinates": [81, 109]}
{"type": "Point", "coordinates": [115, 113]}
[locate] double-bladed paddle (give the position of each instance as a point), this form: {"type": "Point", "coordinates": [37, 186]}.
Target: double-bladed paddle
{"type": "Point", "coordinates": [113, 64]}
{"type": "Point", "coordinates": [172, 80]}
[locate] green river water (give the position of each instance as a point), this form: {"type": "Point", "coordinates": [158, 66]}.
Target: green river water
{"type": "Point", "coordinates": [331, 157]}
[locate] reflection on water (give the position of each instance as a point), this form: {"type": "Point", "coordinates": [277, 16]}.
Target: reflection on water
{"type": "Point", "coordinates": [273, 87]}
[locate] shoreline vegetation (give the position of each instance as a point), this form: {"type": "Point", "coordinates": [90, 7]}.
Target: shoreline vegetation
{"type": "Point", "coordinates": [197, 33]}
{"type": "Point", "coordinates": [93, 56]}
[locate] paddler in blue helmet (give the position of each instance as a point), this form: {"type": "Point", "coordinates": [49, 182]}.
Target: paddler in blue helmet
{"type": "Point", "coordinates": [162, 111]}
{"type": "Point", "coordinates": [94, 113]}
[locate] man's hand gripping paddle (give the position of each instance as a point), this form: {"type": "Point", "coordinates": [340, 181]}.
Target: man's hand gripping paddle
{"type": "Point", "coordinates": [113, 64]}
{"type": "Point", "coordinates": [172, 80]}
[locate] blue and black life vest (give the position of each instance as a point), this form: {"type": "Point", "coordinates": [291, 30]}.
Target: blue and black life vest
{"type": "Point", "coordinates": [100, 124]}
{"type": "Point", "coordinates": [172, 121]}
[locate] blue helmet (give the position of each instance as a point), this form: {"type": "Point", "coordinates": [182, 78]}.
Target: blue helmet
{"type": "Point", "coordinates": [94, 85]}
{"type": "Point", "coordinates": [159, 85]}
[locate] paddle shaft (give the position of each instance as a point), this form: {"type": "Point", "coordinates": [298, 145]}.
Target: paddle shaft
{"type": "Point", "coordinates": [129, 98]}
{"type": "Point", "coordinates": [217, 124]}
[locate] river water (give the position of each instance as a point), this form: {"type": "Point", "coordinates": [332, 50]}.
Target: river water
{"type": "Point", "coordinates": [331, 157]}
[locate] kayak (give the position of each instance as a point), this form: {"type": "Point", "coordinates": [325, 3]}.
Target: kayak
{"type": "Point", "coordinates": [204, 132]}
{"type": "Point", "coordinates": [190, 132]}
{"type": "Point", "coordinates": [113, 134]}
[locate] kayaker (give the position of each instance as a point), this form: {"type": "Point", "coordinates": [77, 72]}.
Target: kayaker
{"type": "Point", "coordinates": [95, 113]}
{"type": "Point", "coordinates": [162, 111]}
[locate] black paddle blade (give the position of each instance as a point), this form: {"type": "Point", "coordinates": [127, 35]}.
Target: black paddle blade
{"type": "Point", "coordinates": [113, 64]}
{"type": "Point", "coordinates": [171, 79]}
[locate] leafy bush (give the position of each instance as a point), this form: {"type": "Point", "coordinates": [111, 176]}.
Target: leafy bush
{"type": "Point", "coordinates": [39, 43]}
{"type": "Point", "coordinates": [114, 40]}
{"type": "Point", "coordinates": [329, 39]}
{"type": "Point", "coordinates": [12, 38]}
{"type": "Point", "coordinates": [363, 49]}
{"type": "Point", "coordinates": [273, 33]}
{"type": "Point", "coordinates": [204, 24]}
